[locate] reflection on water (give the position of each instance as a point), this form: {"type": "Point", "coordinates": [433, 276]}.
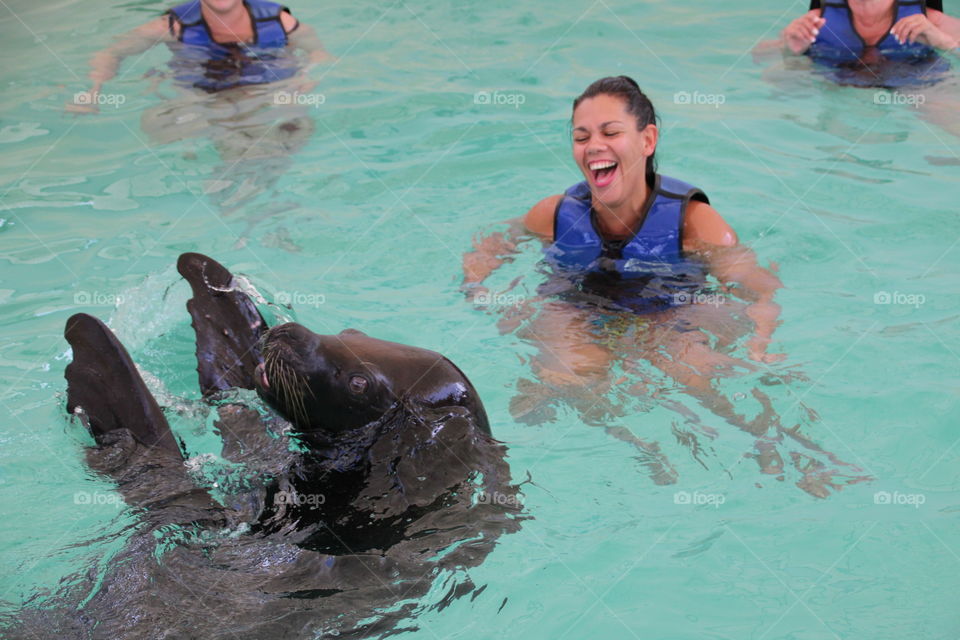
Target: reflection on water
{"type": "Point", "coordinates": [255, 135]}
{"type": "Point", "coordinates": [609, 364]}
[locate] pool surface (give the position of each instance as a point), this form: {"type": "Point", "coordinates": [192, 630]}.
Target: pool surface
{"type": "Point", "coordinates": [437, 122]}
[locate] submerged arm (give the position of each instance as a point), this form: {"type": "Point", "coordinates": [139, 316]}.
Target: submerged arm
{"type": "Point", "coordinates": [493, 250]}
{"type": "Point", "coordinates": [305, 38]}
{"type": "Point", "coordinates": [709, 236]}
{"type": "Point", "coordinates": [489, 252]}
{"type": "Point", "coordinates": [104, 63]}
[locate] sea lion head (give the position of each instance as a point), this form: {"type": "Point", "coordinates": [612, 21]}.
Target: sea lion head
{"type": "Point", "coordinates": [338, 383]}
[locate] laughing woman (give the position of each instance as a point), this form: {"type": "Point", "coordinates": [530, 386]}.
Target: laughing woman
{"type": "Point", "coordinates": [640, 267]}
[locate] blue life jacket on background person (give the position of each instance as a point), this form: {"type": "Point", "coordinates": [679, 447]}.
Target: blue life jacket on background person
{"type": "Point", "coordinates": [646, 272]}
{"type": "Point", "coordinates": [931, 4]}
{"type": "Point", "coordinates": [212, 66]}
{"type": "Point", "coordinates": [844, 57]}
{"type": "Point", "coordinates": [838, 40]}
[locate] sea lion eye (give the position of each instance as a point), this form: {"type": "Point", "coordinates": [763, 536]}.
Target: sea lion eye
{"type": "Point", "coordinates": [358, 384]}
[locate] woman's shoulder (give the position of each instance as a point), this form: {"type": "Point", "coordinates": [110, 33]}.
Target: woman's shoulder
{"type": "Point", "coordinates": [703, 225]}
{"type": "Point", "coordinates": [540, 217]}
{"type": "Point", "coordinates": [288, 21]}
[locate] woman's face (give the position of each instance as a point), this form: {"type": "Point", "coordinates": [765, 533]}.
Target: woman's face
{"type": "Point", "coordinates": [610, 151]}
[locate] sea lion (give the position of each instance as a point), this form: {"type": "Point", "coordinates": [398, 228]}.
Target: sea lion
{"type": "Point", "coordinates": [356, 507]}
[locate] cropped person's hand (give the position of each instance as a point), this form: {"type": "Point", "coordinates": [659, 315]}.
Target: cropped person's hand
{"type": "Point", "coordinates": [802, 32]}
{"type": "Point", "coordinates": [918, 28]}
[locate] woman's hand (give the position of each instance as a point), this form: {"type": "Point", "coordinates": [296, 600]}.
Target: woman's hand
{"type": "Point", "coordinates": [85, 102]}
{"type": "Point", "coordinates": [918, 28]}
{"type": "Point", "coordinates": [802, 32]}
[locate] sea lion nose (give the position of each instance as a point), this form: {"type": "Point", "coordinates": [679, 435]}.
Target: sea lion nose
{"type": "Point", "coordinates": [260, 376]}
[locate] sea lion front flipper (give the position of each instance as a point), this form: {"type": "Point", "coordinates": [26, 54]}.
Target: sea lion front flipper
{"type": "Point", "coordinates": [227, 323]}
{"type": "Point", "coordinates": [104, 386]}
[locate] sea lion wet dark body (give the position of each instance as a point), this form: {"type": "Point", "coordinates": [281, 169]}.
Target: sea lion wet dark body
{"type": "Point", "coordinates": [371, 496]}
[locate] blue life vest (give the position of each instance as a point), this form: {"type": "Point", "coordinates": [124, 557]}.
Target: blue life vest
{"type": "Point", "coordinates": [642, 273]}
{"type": "Point", "coordinates": [843, 56]}
{"type": "Point", "coordinates": [213, 66]}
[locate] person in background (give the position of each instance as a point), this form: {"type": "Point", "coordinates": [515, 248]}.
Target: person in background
{"type": "Point", "coordinates": [240, 74]}
{"type": "Point", "coordinates": [217, 45]}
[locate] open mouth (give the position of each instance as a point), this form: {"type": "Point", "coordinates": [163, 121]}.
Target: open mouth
{"type": "Point", "coordinates": [604, 171]}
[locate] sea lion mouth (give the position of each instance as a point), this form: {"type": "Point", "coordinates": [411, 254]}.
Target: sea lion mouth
{"type": "Point", "coordinates": [280, 384]}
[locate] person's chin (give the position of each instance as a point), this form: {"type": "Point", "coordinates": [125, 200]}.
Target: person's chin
{"type": "Point", "coordinates": [609, 196]}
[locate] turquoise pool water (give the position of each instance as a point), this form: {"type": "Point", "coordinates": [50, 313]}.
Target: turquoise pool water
{"type": "Point", "coordinates": [438, 121]}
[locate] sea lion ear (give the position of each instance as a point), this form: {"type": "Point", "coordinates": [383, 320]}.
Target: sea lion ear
{"type": "Point", "coordinates": [353, 332]}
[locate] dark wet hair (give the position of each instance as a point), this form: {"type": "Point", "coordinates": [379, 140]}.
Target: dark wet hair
{"type": "Point", "coordinates": [638, 105]}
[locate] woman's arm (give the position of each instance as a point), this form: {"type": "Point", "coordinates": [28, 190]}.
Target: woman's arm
{"type": "Point", "coordinates": [802, 32]}
{"type": "Point", "coordinates": [305, 38]}
{"type": "Point", "coordinates": [491, 251]}
{"type": "Point", "coordinates": [795, 39]}
{"type": "Point", "coordinates": [104, 64]}
{"type": "Point", "coordinates": [708, 235]}
{"type": "Point", "coordinates": [936, 29]}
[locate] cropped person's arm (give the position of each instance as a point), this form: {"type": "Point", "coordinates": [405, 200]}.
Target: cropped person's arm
{"type": "Point", "coordinates": [944, 22]}
{"type": "Point", "coordinates": [797, 37]}
{"type": "Point", "coordinates": [936, 29]}
{"type": "Point", "coordinates": [708, 235]}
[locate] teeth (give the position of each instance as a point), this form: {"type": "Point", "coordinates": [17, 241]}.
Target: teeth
{"type": "Point", "coordinates": [602, 164]}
